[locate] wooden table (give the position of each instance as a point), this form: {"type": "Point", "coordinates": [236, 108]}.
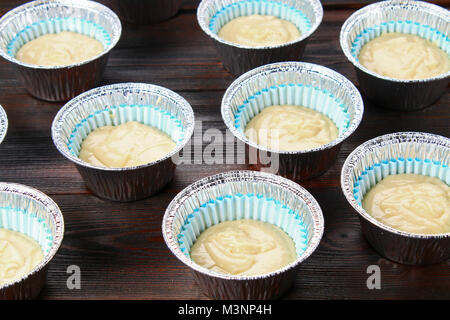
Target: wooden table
{"type": "Point", "coordinates": [119, 246]}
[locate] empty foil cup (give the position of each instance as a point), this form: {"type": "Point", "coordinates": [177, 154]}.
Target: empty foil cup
{"type": "Point", "coordinates": [239, 195]}
{"type": "Point", "coordinates": [412, 17]}
{"type": "Point", "coordinates": [32, 213]}
{"type": "Point", "coordinates": [3, 124]}
{"type": "Point", "coordinates": [397, 153]}
{"type": "Point", "coordinates": [113, 105]}
{"type": "Point", "coordinates": [293, 83]}
{"type": "Point", "coordinates": [212, 15]}
{"type": "Point", "coordinates": [145, 11]}
{"type": "Point", "coordinates": [36, 18]}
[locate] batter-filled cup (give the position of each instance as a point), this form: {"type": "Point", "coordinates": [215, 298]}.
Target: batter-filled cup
{"type": "Point", "coordinates": [234, 196]}
{"type": "Point", "coordinates": [311, 86]}
{"type": "Point", "coordinates": [425, 20]}
{"type": "Point", "coordinates": [389, 155]}
{"type": "Point", "coordinates": [212, 15]}
{"type": "Point", "coordinates": [27, 212]}
{"type": "Point", "coordinates": [43, 17]}
{"type": "Point", "coordinates": [114, 105]}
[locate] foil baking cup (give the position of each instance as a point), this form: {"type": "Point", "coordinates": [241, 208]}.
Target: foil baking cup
{"type": "Point", "coordinates": [412, 17]}
{"type": "Point", "coordinates": [28, 211]}
{"type": "Point", "coordinates": [145, 11]}
{"type": "Point", "coordinates": [213, 14]}
{"type": "Point", "coordinates": [294, 83]}
{"type": "Point", "coordinates": [238, 195]}
{"type": "Point", "coordinates": [113, 105]}
{"type": "Point", "coordinates": [397, 153]}
{"type": "Point", "coordinates": [3, 124]}
{"type": "Point", "coordinates": [37, 18]}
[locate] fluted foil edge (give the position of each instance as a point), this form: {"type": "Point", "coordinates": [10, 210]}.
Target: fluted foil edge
{"type": "Point", "coordinates": [406, 95]}
{"type": "Point", "coordinates": [30, 285]}
{"type": "Point", "coordinates": [399, 246]}
{"type": "Point", "coordinates": [3, 124]}
{"type": "Point", "coordinates": [130, 183]}
{"type": "Point", "coordinates": [222, 286]}
{"type": "Point", "coordinates": [55, 83]}
{"type": "Point", "coordinates": [238, 59]}
{"type": "Point", "coordinates": [296, 165]}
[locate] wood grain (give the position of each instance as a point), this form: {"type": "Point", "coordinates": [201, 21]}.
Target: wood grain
{"type": "Point", "coordinates": [119, 246]}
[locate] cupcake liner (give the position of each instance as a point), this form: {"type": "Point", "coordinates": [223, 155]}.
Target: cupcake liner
{"type": "Point", "coordinates": [293, 94]}
{"type": "Point", "coordinates": [115, 115]}
{"type": "Point", "coordinates": [412, 17]}
{"type": "Point", "coordinates": [378, 171]}
{"type": "Point", "coordinates": [56, 25]}
{"type": "Point", "coordinates": [27, 223]}
{"type": "Point", "coordinates": [397, 153]}
{"type": "Point", "coordinates": [147, 11]}
{"type": "Point", "coordinates": [264, 7]}
{"type": "Point", "coordinates": [36, 18]}
{"type": "Point", "coordinates": [3, 124]}
{"type": "Point", "coordinates": [243, 206]}
{"type": "Point", "coordinates": [32, 213]}
{"type": "Point", "coordinates": [297, 83]}
{"type": "Point", "coordinates": [409, 27]}
{"type": "Point", "coordinates": [243, 195]}
{"type": "Point", "coordinates": [114, 105]}
{"type": "Point", "coordinates": [213, 14]}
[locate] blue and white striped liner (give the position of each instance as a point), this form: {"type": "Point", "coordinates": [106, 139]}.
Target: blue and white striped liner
{"type": "Point", "coordinates": [243, 206]}
{"type": "Point", "coordinates": [28, 224]}
{"type": "Point", "coordinates": [56, 25]}
{"type": "Point", "coordinates": [374, 174]}
{"type": "Point", "coordinates": [408, 27]}
{"type": "Point", "coordinates": [113, 116]}
{"type": "Point", "coordinates": [262, 7]}
{"type": "Point", "coordinates": [307, 96]}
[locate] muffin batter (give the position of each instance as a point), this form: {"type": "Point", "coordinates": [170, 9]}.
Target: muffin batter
{"type": "Point", "coordinates": [126, 145]}
{"type": "Point", "coordinates": [410, 202]}
{"type": "Point", "coordinates": [404, 56]}
{"type": "Point", "coordinates": [19, 254]}
{"type": "Point", "coordinates": [258, 30]}
{"type": "Point", "coordinates": [243, 247]}
{"type": "Point", "coordinates": [291, 128]}
{"type": "Point", "coordinates": [59, 49]}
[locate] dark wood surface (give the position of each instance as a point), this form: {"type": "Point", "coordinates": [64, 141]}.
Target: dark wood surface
{"type": "Point", "coordinates": [119, 246]}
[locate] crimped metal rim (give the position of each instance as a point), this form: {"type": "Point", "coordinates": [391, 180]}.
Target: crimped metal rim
{"type": "Point", "coordinates": [77, 102]}
{"type": "Point", "coordinates": [81, 4]}
{"type": "Point", "coordinates": [3, 124]}
{"type": "Point", "coordinates": [299, 67]}
{"type": "Point", "coordinates": [386, 5]}
{"type": "Point", "coordinates": [52, 208]}
{"type": "Point", "coordinates": [235, 176]}
{"type": "Point", "coordinates": [204, 25]}
{"type": "Point", "coordinates": [347, 185]}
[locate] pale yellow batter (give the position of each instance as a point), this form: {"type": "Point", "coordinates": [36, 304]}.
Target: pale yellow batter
{"type": "Point", "coordinates": [126, 145]}
{"type": "Point", "coordinates": [59, 49]}
{"type": "Point", "coordinates": [19, 254]}
{"type": "Point", "coordinates": [410, 202]}
{"type": "Point", "coordinates": [243, 247]}
{"type": "Point", "coordinates": [257, 30]}
{"type": "Point", "coordinates": [404, 56]}
{"type": "Point", "coordinates": [291, 128]}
